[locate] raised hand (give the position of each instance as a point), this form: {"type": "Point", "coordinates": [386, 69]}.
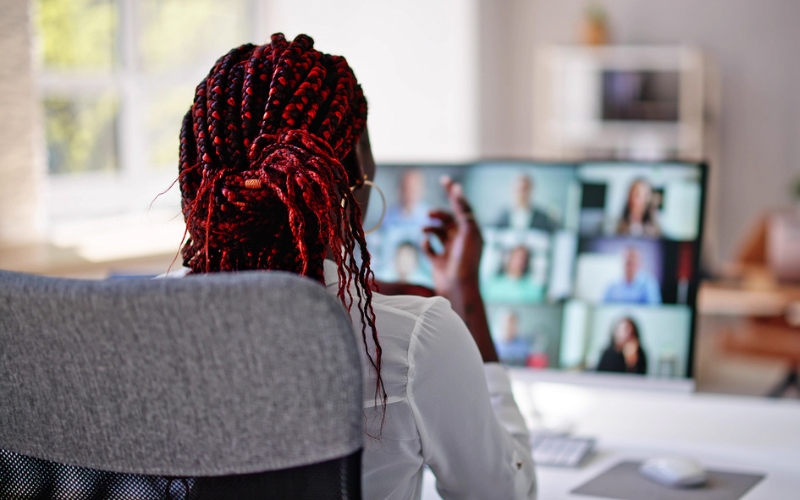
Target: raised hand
{"type": "Point", "coordinates": [458, 263]}
{"type": "Point", "coordinates": [455, 268]}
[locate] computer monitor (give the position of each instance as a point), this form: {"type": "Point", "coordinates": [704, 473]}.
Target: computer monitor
{"type": "Point", "coordinates": [589, 270]}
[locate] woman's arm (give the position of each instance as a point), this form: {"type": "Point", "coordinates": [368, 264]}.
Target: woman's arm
{"type": "Point", "coordinates": [455, 268]}
{"type": "Point", "coordinates": [387, 288]}
{"type": "Point", "coordinates": [472, 434]}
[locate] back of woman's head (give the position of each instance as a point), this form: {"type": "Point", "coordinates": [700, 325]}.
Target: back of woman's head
{"type": "Point", "coordinates": [261, 160]}
{"type": "Point", "coordinates": [262, 168]}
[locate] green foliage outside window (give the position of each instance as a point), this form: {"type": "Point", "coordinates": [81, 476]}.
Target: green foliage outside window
{"type": "Point", "coordinates": [186, 37]}
{"type": "Point", "coordinates": [77, 34]}
{"type": "Point", "coordinates": [81, 133]}
{"type": "Point", "coordinates": [174, 43]}
{"type": "Point", "coordinates": [181, 33]}
{"type": "Point", "coordinates": [164, 118]}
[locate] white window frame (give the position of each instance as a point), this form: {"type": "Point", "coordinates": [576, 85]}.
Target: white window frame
{"type": "Point", "coordinates": [135, 184]}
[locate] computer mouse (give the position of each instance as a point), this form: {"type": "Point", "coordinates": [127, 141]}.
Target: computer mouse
{"type": "Point", "coordinates": [676, 472]}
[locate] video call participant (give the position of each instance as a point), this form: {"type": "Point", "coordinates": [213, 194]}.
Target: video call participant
{"type": "Point", "coordinates": [640, 215]}
{"type": "Point", "coordinates": [515, 285]}
{"type": "Point", "coordinates": [402, 223]}
{"type": "Point", "coordinates": [407, 264]}
{"type": "Point", "coordinates": [511, 348]}
{"type": "Point", "coordinates": [274, 157]}
{"type": "Point", "coordinates": [410, 211]}
{"type": "Point", "coordinates": [637, 286]}
{"type": "Point", "coordinates": [524, 214]}
{"type": "Point", "coordinates": [624, 354]}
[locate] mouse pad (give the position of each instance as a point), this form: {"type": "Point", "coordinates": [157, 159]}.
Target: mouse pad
{"type": "Point", "coordinates": [624, 482]}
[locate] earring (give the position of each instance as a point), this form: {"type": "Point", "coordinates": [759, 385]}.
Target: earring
{"type": "Point", "coordinates": [383, 208]}
{"type": "Point", "coordinates": [383, 199]}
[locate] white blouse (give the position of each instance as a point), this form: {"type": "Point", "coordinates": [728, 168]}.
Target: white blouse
{"type": "Point", "coordinates": [446, 408]}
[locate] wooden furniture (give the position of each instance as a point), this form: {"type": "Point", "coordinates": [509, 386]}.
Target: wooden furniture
{"type": "Point", "coordinates": [770, 337]}
{"type": "Point", "coordinates": [761, 295]}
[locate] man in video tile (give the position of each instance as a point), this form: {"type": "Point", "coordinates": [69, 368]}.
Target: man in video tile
{"type": "Point", "coordinates": [511, 347]}
{"type": "Point", "coordinates": [524, 214]}
{"type": "Point", "coordinates": [637, 285]}
{"type": "Point", "coordinates": [411, 211]}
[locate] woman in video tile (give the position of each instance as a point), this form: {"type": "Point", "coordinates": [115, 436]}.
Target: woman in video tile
{"type": "Point", "coordinates": [515, 284]}
{"type": "Point", "coordinates": [639, 217]}
{"type": "Point", "coordinates": [624, 354]}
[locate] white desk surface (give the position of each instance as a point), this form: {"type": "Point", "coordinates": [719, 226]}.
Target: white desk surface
{"type": "Point", "coordinates": [721, 432]}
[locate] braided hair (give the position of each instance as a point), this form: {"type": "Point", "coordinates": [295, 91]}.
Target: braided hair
{"type": "Point", "coordinates": [263, 177]}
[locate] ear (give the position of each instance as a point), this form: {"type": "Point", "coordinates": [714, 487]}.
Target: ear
{"type": "Point", "coordinates": [355, 174]}
{"type": "Point", "coordinates": [364, 157]}
{"type": "Point", "coordinates": [364, 165]}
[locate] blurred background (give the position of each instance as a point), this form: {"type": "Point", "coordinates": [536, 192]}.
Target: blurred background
{"type": "Point", "coordinates": [92, 93]}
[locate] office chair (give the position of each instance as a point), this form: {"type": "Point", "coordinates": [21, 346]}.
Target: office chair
{"type": "Point", "coordinates": [235, 385]}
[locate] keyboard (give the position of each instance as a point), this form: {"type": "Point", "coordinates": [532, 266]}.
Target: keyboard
{"type": "Point", "coordinates": [560, 451]}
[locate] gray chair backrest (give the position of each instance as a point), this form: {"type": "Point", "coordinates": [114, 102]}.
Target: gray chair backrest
{"type": "Point", "coordinates": [230, 373]}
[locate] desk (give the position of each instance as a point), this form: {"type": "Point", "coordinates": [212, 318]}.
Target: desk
{"type": "Point", "coordinates": [721, 432]}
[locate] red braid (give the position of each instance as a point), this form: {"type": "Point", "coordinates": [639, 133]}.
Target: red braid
{"type": "Point", "coordinates": [262, 181]}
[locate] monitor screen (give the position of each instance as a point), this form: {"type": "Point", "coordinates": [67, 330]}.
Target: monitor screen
{"type": "Point", "coordinates": [640, 95]}
{"type": "Point", "coordinates": [586, 267]}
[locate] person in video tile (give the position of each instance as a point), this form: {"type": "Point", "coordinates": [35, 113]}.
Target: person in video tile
{"type": "Point", "coordinates": [637, 286]}
{"type": "Point", "coordinates": [524, 214]}
{"type": "Point", "coordinates": [411, 212]}
{"type": "Point", "coordinates": [624, 354]}
{"type": "Point", "coordinates": [407, 265]}
{"type": "Point", "coordinates": [639, 217]}
{"type": "Point", "coordinates": [515, 284]}
{"type": "Point", "coordinates": [511, 348]}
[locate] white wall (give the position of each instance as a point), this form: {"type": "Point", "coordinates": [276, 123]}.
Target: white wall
{"type": "Point", "coordinates": [415, 60]}
{"type": "Point", "coordinates": [753, 43]}
{"type": "Point", "coordinates": [21, 166]}
{"type": "Point", "coordinates": [506, 76]}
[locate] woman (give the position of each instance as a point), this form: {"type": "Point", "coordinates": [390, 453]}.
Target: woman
{"type": "Point", "coordinates": [639, 216]}
{"type": "Point", "coordinates": [624, 354]}
{"type": "Point", "coordinates": [515, 285]}
{"type": "Point", "coordinates": [274, 159]}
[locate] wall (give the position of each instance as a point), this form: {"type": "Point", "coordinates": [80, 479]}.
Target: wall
{"type": "Point", "coordinates": [21, 165]}
{"type": "Point", "coordinates": [415, 61]}
{"type": "Point", "coordinates": [753, 45]}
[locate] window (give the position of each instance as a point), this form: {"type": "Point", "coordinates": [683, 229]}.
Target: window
{"type": "Point", "coordinates": [116, 76]}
